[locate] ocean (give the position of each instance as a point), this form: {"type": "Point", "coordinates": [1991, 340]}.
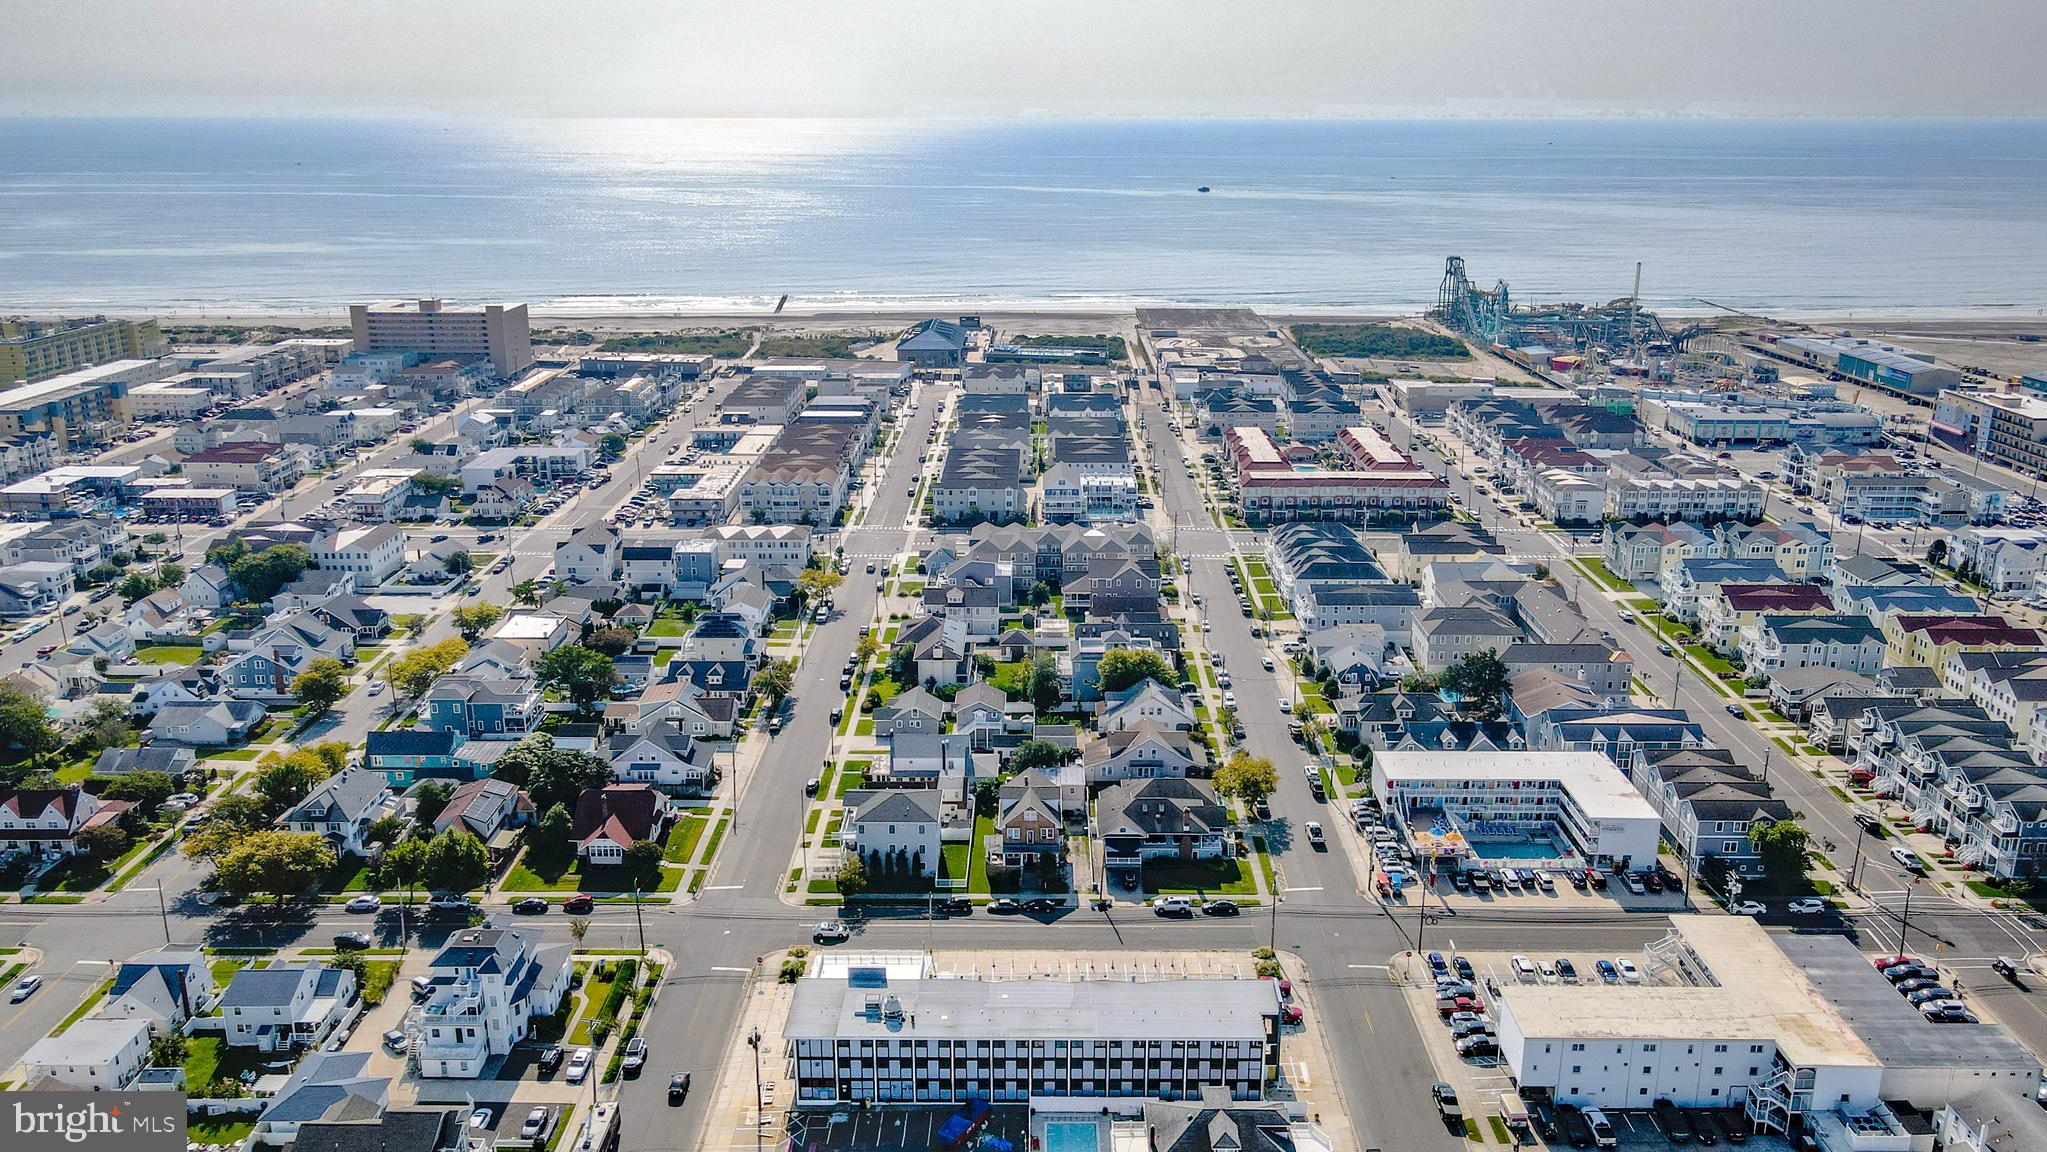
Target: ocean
{"type": "Point", "coordinates": [1792, 218]}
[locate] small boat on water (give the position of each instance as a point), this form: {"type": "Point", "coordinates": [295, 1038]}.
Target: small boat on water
{"type": "Point", "coordinates": [1203, 188]}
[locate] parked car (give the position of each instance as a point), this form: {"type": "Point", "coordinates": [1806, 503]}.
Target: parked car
{"type": "Point", "coordinates": [529, 906]}
{"type": "Point", "coordinates": [579, 1066]}
{"type": "Point", "coordinates": [1176, 906]}
{"type": "Point", "coordinates": [25, 988]}
{"type": "Point", "coordinates": [1603, 1134]}
{"type": "Point", "coordinates": [1219, 908]}
{"type": "Point", "coordinates": [479, 1119]}
{"type": "Point", "coordinates": [536, 1123]}
{"type": "Point", "coordinates": [1629, 972]}
{"type": "Point", "coordinates": [635, 1054]}
{"type": "Point", "coordinates": [1747, 908]}
{"type": "Point", "coordinates": [395, 1040]}
{"type": "Point", "coordinates": [579, 904]}
{"type": "Point", "coordinates": [1677, 1127]}
{"type": "Point", "coordinates": [1004, 907]}
{"type": "Point", "coordinates": [551, 1059]}
{"type": "Point", "coordinates": [347, 940]}
{"type": "Point", "coordinates": [364, 903]}
{"type": "Point", "coordinates": [955, 906]}
{"type": "Point", "coordinates": [1446, 1103]}
{"type": "Point", "coordinates": [1042, 905]}
{"type": "Point", "coordinates": [1909, 861]}
{"type": "Point", "coordinates": [1810, 906]}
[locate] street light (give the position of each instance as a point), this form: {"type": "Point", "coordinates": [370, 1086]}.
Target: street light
{"type": "Point", "coordinates": [753, 1041]}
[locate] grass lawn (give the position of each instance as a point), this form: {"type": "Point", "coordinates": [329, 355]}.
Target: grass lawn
{"type": "Point", "coordinates": [74, 773]}
{"type": "Point", "coordinates": [1224, 877]}
{"type": "Point", "coordinates": [562, 872]}
{"type": "Point", "coordinates": [683, 837]}
{"type": "Point", "coordinates": [595, 992]}
{"type": "Point", "coordinates": [230, 1130]}
{"type": "Point", "coordinates": [668, 626]}
{"type": "Point", "coordinates": [852, 774]}
{"type": "Point", "coordinates": [1012, 678]}
{"type": "Point", "coordinates": [1596, 568]}
{"type": "Point", "coordinates": [377, 978]}
{"type": "Point", "coordinates": [954, 862]}
{"type": "Point", "coordinates": [179, 654]}
{"type": "Point", "coordinates": [977, 860]}
{"type": "Point", "coordinates": [208, 1058]}
{"type": "Point", "coordinates": [91, 1001]}
{"type": "Point", "coordinates": [717, 835]}
{"type": "Point", "coordinates": [232, 754]}
{"type": "Point", "coordinates": [1712, 661]}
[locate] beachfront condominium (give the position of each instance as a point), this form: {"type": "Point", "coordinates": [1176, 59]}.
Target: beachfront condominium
{"type": "Point", "coordinates": [32, 350]}
{"type": "Point", "coordinates": [435, 330]}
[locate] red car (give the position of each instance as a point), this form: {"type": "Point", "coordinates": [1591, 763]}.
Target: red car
{"type": "Point", "coordinates": [46, 649]}
{"type": "Point", "coordinates": [579, 903]}
{"type": "Point", "coordinates": [1289, 1014]}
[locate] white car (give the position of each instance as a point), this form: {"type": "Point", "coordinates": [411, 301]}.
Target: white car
{"type": "Point", "coordinates": [1629, 972]}
{"type": "Point", "coordinates": [479, 1119]}
{"type": "Point", "coordinates": [25, 988]}
{"type": "Point", "coordinates": [1747, 908]}
{"type": "Point", "coordinates": [1810, 906]}
{"type": "Point", "coordinates": [535, 1121]}
{"type": "Point", "coordinates": [830, 932]}
{"type": "Point", "coordinates": [1229, 699]}
{"type": "Point", "coordinates": [579, 1066]}
{"type": "Point", "coordinates": [364, 903]}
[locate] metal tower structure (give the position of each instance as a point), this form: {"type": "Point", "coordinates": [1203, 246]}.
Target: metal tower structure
{"type": "Point", "coordinates": [1471, 310]}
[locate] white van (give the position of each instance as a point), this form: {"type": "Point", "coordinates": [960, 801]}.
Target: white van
{"type": "Point", "coordinates": [1514, 1112]}
{"type": "Point", "coordinates": [1525, 970]}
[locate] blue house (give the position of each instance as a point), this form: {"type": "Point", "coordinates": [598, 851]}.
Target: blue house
{"type": "Point", "coordinates": [405, 756]}
{"type": "Point", "coordinates": [485, 708]}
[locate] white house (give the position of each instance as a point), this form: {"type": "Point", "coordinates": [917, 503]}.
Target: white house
{"type": "Point", "coordinates": [285, 1007]}
{"type": "Point", "coordinates": [662, 755]}
{"type": "Point", "coordinates": [101, 1055]}
{"type": "Point", "coordinates": [1146, 700]}
{"type": "Point", "coordinates": [374, 554]}
{"type": "Point", "coordinates": [1143, 751]}
{"type": "Point", "coordinates": [894, 830]}
{"type": "Point", "coordinates": [489, 984]}
{"type": "Point", "coordinates": [46, 821]}
{"type": "Point", "coordinates": [342, 808]}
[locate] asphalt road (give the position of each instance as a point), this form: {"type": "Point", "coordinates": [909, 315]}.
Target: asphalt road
{"type": "Point", "coordinates": [1344, 939]}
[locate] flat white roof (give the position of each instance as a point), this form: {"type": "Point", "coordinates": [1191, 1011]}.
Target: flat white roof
{"type": "Point", "coordinates": [1758, 994]}
{"type": "Point", "coordinates": [83, 378]}
{"type": "Point", "coordinates": [1598, 787]}
{"type": "Point", "coordinates": [528, 626]}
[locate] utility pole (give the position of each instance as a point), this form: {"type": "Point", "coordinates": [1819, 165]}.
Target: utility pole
{"type": "Point", "coordinates": [1677, 677]}
{"type": "Point", "coordinates": [1855, 869]}
{"type": "Point", "coordinates": [1905, 919]}
{"type": "Point", "coordinates": [638, 921]}
{"type": "Point", "coordinates": [163, 912]}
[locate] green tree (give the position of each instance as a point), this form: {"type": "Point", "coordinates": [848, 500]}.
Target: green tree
{"type": "Point", "coordinates": [1713, 874]}
{"type": "Point", "coordinates": [987, 796]}
{"type": "Point", "coordinates": [472, 620]}
{"type": "Point", "coordinates": [584, 675]}
{"type": "Point", "coordinates": [867, 648]}
{"type": "Point", "coordinates": [613, 642]}
{"type": "Point", "coordinates": [813, 585]}
{"type": "Point", "coordinates": [1480, 683]}
{"type": "Point", "coordinates": [643, 863]}
{"type": "Point", "coordinates": [103, 843]}
{"type": "Point", "coordinates": [459, 563]}
{"type": "Point", "coordinates": [456, 862]}
{"type": "Point", "coordinates": [1782, 844]}
{"type": "Point", "coordinates": [851, 876]}
{"type": "Point", "coordinates": [146, 790]}
{"type": "Point", "coordinates": [403, 866]}
{"type": "Point", "coordinates": [563, 774]}
{"type": "Point", "coordinates": [555, 826]}
{"type": "Point", "coordinates": [612, 445]}
{"type": "Point", "coordinates": [775, 680]}
{"type": "Point", "coordinates": [261, 575]}
{"type": "Point", "coordinates": [429, 800]}
{"type": "Point", "coordinates": [226, 551]}
{"type": "Point", "coordinates": [283, 781]}
{"type": "Point", "coordinates": [170, 575]}
{"type": "Point", "coordinates": [25, 728]}
{"type": "Point", "coordinates": [415, 672]}
{"type": "Point", "coordinates": [1046, 685]}
{"type": "Point", "coordinates": [105, 725]}
{"type": "Point", "coordinates": [321, 686]}
{"type": "Point", "coordinates": [434, 484]}
{"type": "Point", "coordinates": [1248, 778]}
{"type": "Point", "coordinates": [274, 863]}
{"type": "Point", "coordinates": [167, 1048]}
{"type": "Point", "coordinates": [516, 766]}
{"type": "Point", "coordinates": [385, 830]}
{"type": "Point", "coordinates": [1122, 667]}
{"type": "Point", "coordinates": [136, 585]}
{"type": "Point", "coordinates": [1035, 753]}
{"type": "Point", "coordinates": [233, 817]}
{"type": "Point", "coordinates": [527, 592]}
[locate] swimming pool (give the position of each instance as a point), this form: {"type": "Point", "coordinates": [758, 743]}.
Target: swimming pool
{"type": "Point", "coordinates": [1072, 1136]}
{"type": "Point", "coordinates": [1518, 850]}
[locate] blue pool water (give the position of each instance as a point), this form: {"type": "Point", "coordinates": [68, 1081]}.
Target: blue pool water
{"type": "Point", "coordinates": [1517, 850]}
{"type": "Point", "coordinates": [1069, 1136]}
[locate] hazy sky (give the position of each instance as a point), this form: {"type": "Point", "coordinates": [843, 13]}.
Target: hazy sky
{"type": "Point", "coordinates": [1021, 57]}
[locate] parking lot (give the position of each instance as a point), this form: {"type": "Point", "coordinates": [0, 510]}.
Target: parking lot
{"type": "Point", "coordinates": [1566, 889]}
{"type": "Point", "coordinates": [853, 1129]}
{"type": "Point", "coordinates": [1480, 1078]}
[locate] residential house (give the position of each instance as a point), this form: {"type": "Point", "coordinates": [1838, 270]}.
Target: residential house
{"type": "Point", "coordinates": [161, 614]}
{"type": "Point", "coordinates": [324, 1087]}
{"type": "Point", "coordinates": [592, 553]}
{"type": "Point", "coordinates": [1146, 701]}
{"type": "Point", "coordinates": [1850, 643]}
{"type": "Point", "coordinates": [978, 607]}
{"type": "Point", "coordinates": [173, 762]}
{"type": "Point", "coordinates": [662, 755]}
{"type": "Point", "coordinates": [921, 756]}
{"type": "Point", "coordinates": [485, 707]}
{"type": "Point", "coordinates": [1616, 733]}
{"type": "Point", "coordinates": [286, 1007]}
{"type": "Point", "coordinates": [1709, 805]}
{"type": "Point", "coordinates": [1928, 641]}
{"type": "Point", "coordinates": [911, 711]}
{"type": "Point", "coordinates": [1600, 666]}
{"type": "Point", "coordinates": [1443, 636]}
{"type": "Point", "coordinates": [1960, 774]}
{"type": "Point", "coordinates": [46, 822]}
{"type": "Point", "coordinates": [1643, 554]}
{"type": "Point", "coordinates": [489, 809]}
{"type": "Point", "coordinates": [1030, 819]}
{"type": "Point", "coordinates": [611, 819]}
{"type": "Point", "coordinates": [1143, 751]}
{"type": "Point", "coordinates": [2010, 686]}
{"type": "Point", "coordinates": [405, 756]}
{"type": "Point", "coordinates": [1154, 819]}
{"type": "Point", "coordinates": [1729, 611]}
{"type": "Point", "coordinates": [1796, 692]}
{"type": "Point", "coordinates": [182, 976]}
{"type": "Point", "coordinates": [207, 588]}
{"type": "Point", "coordinates": [98, 1055]}
{"type": "Point", "coordinates": [342, 807]}
{"type": "Point", "coordinates": [353, 616]}
{"type": "Point", "coordinates": [981, 714]}
{"type": "Point", "coordinates": [1801, 550]}
{"type": "Point", "coordinates": [205, 723]}
{"type": "Point", "coordinates": [488, 987]}
{"type": "Point", "coordinates": [894, 830]}
{"type": "Point", "coordinates": [1687, 586]}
